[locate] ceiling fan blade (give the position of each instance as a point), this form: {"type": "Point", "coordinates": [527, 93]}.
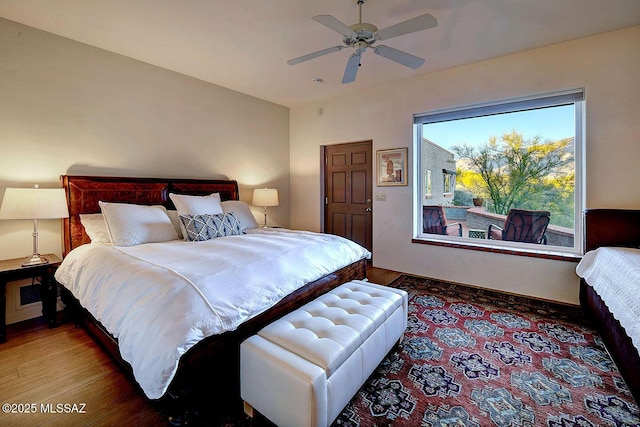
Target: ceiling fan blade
{"type": "Point", "coordinates": [352, 68]}
{"type": "Point", "coordinates": [333, 23]}
{"type": "Point", "coordinates": [412, 25]}
{"type": "Point", "coordinates": [312, 55]}
{"type": "Point", "coordinates": [399, 56]}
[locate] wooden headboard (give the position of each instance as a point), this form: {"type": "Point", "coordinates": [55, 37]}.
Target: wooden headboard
{"type": "Point", "coordinates": [611, 227]}
{"type": "Point", "coordinates": [84, 193]}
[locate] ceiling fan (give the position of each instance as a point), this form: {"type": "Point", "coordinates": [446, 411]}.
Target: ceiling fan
{"type": "Point", "coordinates": [362, 35]}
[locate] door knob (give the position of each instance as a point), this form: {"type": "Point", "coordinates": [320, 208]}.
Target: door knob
{"type": "Point", "coordinates": [368, 210]}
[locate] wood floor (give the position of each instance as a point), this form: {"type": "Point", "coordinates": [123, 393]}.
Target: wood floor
{"type": "Point", "coordinates": [41, 366]}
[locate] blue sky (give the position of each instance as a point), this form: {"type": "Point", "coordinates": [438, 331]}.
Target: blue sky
{"type": "Point", "coordinates": [550, 123]}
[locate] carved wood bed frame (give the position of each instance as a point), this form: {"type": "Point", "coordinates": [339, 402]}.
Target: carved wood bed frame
{"type": "Point", "coordinates": [612, 227]}
{"type": "Point", "coordinates": [212, 365]}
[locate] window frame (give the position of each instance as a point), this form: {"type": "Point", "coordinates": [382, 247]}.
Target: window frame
{"type": "Point", "coordinates": [572, 96]}
{"type": "Point", "coordinates": [449, 182]}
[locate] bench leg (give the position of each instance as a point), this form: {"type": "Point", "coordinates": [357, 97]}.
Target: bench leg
{"type": "Point", "coordinates": [248, 409]}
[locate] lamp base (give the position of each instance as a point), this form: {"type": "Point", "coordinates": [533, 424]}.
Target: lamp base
{"type": "Point", "coordinates": [36, 259]}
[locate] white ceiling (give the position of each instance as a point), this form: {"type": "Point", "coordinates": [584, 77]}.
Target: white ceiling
{"type": "Point", "coordinates": [244, 44]}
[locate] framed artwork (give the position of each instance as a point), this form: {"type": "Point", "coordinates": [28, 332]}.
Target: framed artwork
{"type": "Point", "coordinates": [392, 167]}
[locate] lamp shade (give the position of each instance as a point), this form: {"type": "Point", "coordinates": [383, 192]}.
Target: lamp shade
{"type": "Point", "coordinates": [265, 197]}
{"type": "Point", "coordinates": [34, 203]}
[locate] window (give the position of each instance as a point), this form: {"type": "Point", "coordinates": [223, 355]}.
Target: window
{"type": "Point", "coordinates": [428, 185]}
{"type": "Point", "coordinates": [449, 178]}
{"type": "Point", "coordinates": [499, 159]}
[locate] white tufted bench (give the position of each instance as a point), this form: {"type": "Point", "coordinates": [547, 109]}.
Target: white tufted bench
{"type": "Point", "coordinates": [303, 369]}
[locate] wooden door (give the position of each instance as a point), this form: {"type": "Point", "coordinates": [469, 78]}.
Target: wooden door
{"type": "Point", "coordinates": [348, 173]}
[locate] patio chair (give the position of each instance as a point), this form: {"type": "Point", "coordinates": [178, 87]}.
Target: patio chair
{"type": "Point", "coordinates": [434, 221]}
{"type": "Point", "coordinates": [522, 225]}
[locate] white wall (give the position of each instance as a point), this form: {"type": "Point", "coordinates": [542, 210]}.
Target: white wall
{"type": "Point", "coordinates": [606, 65]}
{"type": "Point", "coordinates": [68, 108]}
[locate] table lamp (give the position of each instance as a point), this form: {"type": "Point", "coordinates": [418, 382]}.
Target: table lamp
{"type": "Point", "coordinates": [265, 197]}
{"type": "Point", "coordinates": [34, 204]}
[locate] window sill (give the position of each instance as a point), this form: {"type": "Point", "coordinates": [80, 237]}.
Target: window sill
{"type": "Point", "coordinates": [555, 255]}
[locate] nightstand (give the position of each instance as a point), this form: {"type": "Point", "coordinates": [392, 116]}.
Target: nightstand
{"type": "Point", "coordinates": [11, 269]}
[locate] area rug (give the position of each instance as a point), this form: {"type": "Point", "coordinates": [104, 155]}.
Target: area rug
{"type": "Point", "coordinates": [475, 357]}
{"type": "Point", "coordinates": [472, 357]}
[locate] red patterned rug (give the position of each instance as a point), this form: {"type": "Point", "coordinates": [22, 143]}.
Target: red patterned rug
{"type": "Point", "coordinates": [473, 357]}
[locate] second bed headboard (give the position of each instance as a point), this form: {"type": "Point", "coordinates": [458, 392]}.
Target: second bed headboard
{"type": "Point", "coordinates": [611, 227]}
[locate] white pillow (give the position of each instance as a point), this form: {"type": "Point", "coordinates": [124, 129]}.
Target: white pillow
{"type": "Point", "coordinates": [242, 212]}
{"type": "Point", "coordinates": [175, 220]}
{"type": "Point", "coordinates": [95, 227]}
{"type": "Point", "coordinates": [131, 225]}
{"type": "Point", "coordinates": [195, 205]}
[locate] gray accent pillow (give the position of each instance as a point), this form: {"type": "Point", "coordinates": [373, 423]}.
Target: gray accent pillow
{"type": "Point", "coordinates": [242, 212]}
{"type": "Point", "coordinates": [206, 227]}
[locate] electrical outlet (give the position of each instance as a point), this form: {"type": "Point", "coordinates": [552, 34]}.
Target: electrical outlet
{"type": "Point", "coordinates": [381, 197]}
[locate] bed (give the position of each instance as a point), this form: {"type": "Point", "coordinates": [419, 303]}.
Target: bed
{"type": "Point", "coordinates": [612, 239]}
{"type": "Point", "coordinates": [210, 364]}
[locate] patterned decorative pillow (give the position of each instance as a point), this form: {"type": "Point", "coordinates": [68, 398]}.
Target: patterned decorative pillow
{"type": "Point", "coordinates": [206, 227]}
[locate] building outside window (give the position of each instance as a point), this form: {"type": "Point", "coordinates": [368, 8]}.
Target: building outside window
{"type": "Point", "coordinates": [436, 158]}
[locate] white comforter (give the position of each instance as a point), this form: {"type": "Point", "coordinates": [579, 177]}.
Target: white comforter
{"type": "Point", "coordinates": [159, 299]}
{"type": "Point", "coordinates": [614, 273]}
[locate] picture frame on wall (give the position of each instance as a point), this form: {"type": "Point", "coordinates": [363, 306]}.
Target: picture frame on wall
{"type": "Point", "coordinates": [391, 167]}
